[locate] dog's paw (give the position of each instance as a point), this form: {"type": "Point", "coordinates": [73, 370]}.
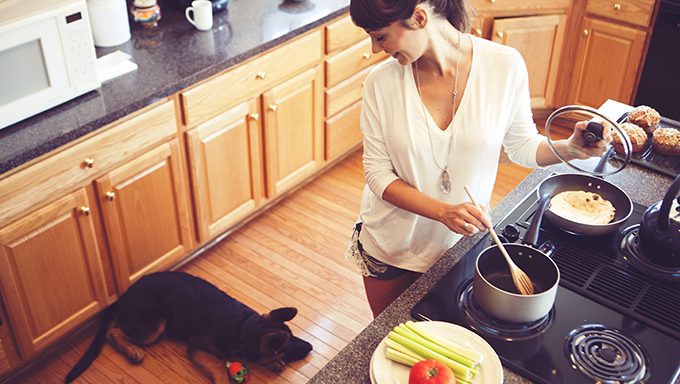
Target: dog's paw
{"type": "Point", "coordinates": [135, 354]}
{"type": "Point", "coordinates": [276, 365]}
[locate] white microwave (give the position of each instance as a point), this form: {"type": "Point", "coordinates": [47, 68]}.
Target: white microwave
{"type": "Point", "coordinates": [47, 56]}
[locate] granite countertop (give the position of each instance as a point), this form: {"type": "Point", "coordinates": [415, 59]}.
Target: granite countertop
{"type": "Point", "coordinates": [170, 57]}
{"type": "Point", "coordinates": [351, 365]}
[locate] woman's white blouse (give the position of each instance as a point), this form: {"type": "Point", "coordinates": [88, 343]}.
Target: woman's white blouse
{"type": "Point", "coordinates": [494, 110]}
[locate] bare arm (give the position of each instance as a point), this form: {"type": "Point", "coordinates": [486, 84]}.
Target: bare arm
{"type": "Point", "coordinates": [454, 216]}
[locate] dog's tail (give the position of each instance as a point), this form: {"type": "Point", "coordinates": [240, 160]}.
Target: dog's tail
{"type": "Point", "coordinates": [108, 317]}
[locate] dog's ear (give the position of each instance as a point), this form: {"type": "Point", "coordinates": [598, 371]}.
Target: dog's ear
{"type": "Point", "coordinates": [274, 341]}
{"type": "Point", "coordinates": [280, 315]}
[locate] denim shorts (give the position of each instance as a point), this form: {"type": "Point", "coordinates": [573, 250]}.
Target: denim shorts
{"type": "Point", "coordinates": [369, 265]}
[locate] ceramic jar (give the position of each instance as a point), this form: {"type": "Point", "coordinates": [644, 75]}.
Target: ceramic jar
{"type": "Point", "coordinates": [146, 12]}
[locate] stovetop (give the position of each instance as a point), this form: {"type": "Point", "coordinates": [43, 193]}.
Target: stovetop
{"type": "Point", "coordinates": [613, 308]}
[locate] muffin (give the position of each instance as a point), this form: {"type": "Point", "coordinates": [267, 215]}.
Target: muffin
{"type": "Point", "coordinates": [645, 117]}
{"type": "Point", "coordinates": [638, 138]}
{"type": "Point", "coordinates": [666, 141]}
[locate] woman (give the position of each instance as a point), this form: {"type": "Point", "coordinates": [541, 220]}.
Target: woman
{"type": "Point", "coordinates": [433, 121]}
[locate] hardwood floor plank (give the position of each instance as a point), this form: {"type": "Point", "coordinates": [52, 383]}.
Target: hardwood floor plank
{"type": "Point", "coordinates": [329, 290]}
{"type": "Point", "coordinates": [324, 270]}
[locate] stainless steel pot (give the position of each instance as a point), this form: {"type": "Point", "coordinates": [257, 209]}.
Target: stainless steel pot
{"type": "Point", "coordinates": [495, 292]}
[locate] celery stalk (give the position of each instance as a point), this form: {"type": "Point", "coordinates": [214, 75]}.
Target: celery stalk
{"type": "Point", "coordinates": [407, 332]}
{"type": "Point", "coordinates": [475, 356]}
{"type": "Point", "coordinates": [458, 369]}
{"type": "Point", "coordinates": [398, 347]}
{"type": "Point", "coordinates": [399, 357]}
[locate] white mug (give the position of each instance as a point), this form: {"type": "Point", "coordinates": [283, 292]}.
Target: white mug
{"type": "Point", "coordinates": [202, 14]}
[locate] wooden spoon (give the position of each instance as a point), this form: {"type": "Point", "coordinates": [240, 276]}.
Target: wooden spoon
{"type": "Point", "coordinates": [522, 281]}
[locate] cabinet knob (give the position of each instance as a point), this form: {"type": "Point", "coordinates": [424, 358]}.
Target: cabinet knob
{"type": "Point", "coordinates": [617, 6]}
{"type": "Point", "coordinates": [585, 32]}
{"type": "Point", "coordinates": [88, 163]}
{"type": "Point", "coordinates": [85, 211]}
{"type": "Point", "coordinates": [261, 75]}
{"type": "Point", "coordinates": [254, 116]}
{"type": "Point", "coordinates": [492, 1]}
{"type": "Point", "coordinates": [500, 34]}
{"type": "Point", "coordinates": [477, 31]}
{"type": "Point", "coordinates": [273, 107]}
{"type": "Point", "coordinates": [111, 196]}
{"type": "Point", "coordinates": [366, 55]}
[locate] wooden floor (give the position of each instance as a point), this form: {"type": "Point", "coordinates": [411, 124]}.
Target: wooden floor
{"type": "Point", "coordinates": [292, 255]}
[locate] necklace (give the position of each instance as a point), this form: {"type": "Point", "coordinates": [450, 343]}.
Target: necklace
{"type": "Point", "coordinates": [445, 179]}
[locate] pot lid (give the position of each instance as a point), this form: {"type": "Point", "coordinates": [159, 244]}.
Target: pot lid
{"type": "Point", "coordinates": [560, 125]}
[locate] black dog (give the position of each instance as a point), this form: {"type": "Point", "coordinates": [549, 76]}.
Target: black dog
{"type": "Point", "coordinates": [215, 326]}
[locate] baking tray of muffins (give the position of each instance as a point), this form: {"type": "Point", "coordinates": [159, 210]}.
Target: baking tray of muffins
{"type": "Point", "coordinates": [655, 140]}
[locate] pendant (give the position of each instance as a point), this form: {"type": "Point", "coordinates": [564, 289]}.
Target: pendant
{"type": "Point", "coordinates": [446, 181]}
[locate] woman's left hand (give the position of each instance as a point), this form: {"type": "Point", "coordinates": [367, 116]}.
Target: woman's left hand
{"type": "Point", "coordinates": [579, 148]}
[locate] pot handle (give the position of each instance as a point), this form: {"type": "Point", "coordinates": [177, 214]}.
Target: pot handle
{"type": "Point", "coordinates": [548, 248]}
{"type": "Point", "coordinates": [665, 211]}
{"type": "Point", "coordinates": [531, 237]}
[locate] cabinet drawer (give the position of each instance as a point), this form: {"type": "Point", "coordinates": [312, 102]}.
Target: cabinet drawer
{"type": "Point", "coordinates": [514, 7]}
{"type": "Point", "coordinates": [348, 62]}
{"type": "Point", "coordinates": [216, 95]}
{"type": "Point", "coordinates": [637, 12]}
{"type": "Point", "coordinates": [345, 93]}
{"type": "Point", "coordinates": [342, 33]}
{"type": "Point", "coordinates": [343, 132]}
{"type": "Point", "coordinates": [58, 175]}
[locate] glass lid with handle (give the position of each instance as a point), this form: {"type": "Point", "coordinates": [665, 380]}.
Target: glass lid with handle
{"type": "Point", "coordinates": [561, 125]}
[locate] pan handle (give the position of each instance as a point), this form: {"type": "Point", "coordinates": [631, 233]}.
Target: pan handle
{"type": "Point", "coordinates": [602, 164]}
{"type": "Point", "coordinates": [531, 237]}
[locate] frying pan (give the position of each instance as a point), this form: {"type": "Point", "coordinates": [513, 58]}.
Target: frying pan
{"type": "Point", "coordinates": [555, 184]}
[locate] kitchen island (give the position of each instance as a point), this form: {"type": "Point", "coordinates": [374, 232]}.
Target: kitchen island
{"type": "Point", "coordinates": [351, 365]}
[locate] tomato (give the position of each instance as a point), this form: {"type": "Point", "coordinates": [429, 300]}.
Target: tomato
{"type": "Point", "coordinates": [431, 372]}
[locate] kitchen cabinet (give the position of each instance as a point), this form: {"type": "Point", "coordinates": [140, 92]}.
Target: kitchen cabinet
{"type": "Point", "coordinates": [226, 166]}
{"type": "Point", "coordinates": [539, 39]}
{"type": "Point", "coordinates": [52, 277]}
{"type": "Point", "coordinates": [536, 28]}
{"type": "Point", "coordinates": [348, 61]}
{"type": "Point", "coordinates": [609, 51]}
{"type": "Point", "coordinates": [254, 132]}
{"type": "Point", "coordinates": [54, 242]}
{"type": "Point", "coordinates": [293, 135]}
{"type": "Point", "coordinates": [145, 211]}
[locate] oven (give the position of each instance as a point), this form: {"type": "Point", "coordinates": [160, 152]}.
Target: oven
{"type": "Point", "coordinates": [660, 79]}
{"type": "Point", "coordinates": [616, 318]}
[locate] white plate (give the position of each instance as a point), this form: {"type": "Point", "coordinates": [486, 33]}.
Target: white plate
{"type": "Point", "coordinates": [385, 371]}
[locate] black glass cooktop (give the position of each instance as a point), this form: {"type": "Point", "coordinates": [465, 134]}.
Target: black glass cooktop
{"type": "Point", "coordinates": [616, 318]}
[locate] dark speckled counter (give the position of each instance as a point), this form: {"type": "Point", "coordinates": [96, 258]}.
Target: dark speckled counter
{"type": "Point", "coordinates": [171, 57]}
{"type": "Point", "coordinates": [351, 365]}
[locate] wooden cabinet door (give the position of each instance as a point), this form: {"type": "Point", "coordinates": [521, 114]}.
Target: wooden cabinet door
{"type": "Point", "coordinates": [293, 131]}
{"type": "Point", "coordinates": [607, 60]}
{"type": "Point", "coordinates": [144, 205]}
{"type": "Point", "coordinates": [539, 39]}
{"type": "Point", "coordinates": [343, 132]}
{"type": "Point", "coordinates": [51, 272]}
{"type": "Point", "coordinates": [225, 155]}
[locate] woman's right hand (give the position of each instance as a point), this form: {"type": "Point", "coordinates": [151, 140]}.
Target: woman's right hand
{"type": "Point", "coordinates": [465, 219]}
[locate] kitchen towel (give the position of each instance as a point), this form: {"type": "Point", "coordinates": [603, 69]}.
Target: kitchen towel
{"type": "Point", "coordinates": [113, 65]}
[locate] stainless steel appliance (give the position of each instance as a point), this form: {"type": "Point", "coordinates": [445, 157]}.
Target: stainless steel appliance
{"type": "Point", "coordinates": [616, 318]}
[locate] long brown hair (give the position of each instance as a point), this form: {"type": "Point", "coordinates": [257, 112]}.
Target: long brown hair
{"type": "Point", "coordinates": [376, 14]}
